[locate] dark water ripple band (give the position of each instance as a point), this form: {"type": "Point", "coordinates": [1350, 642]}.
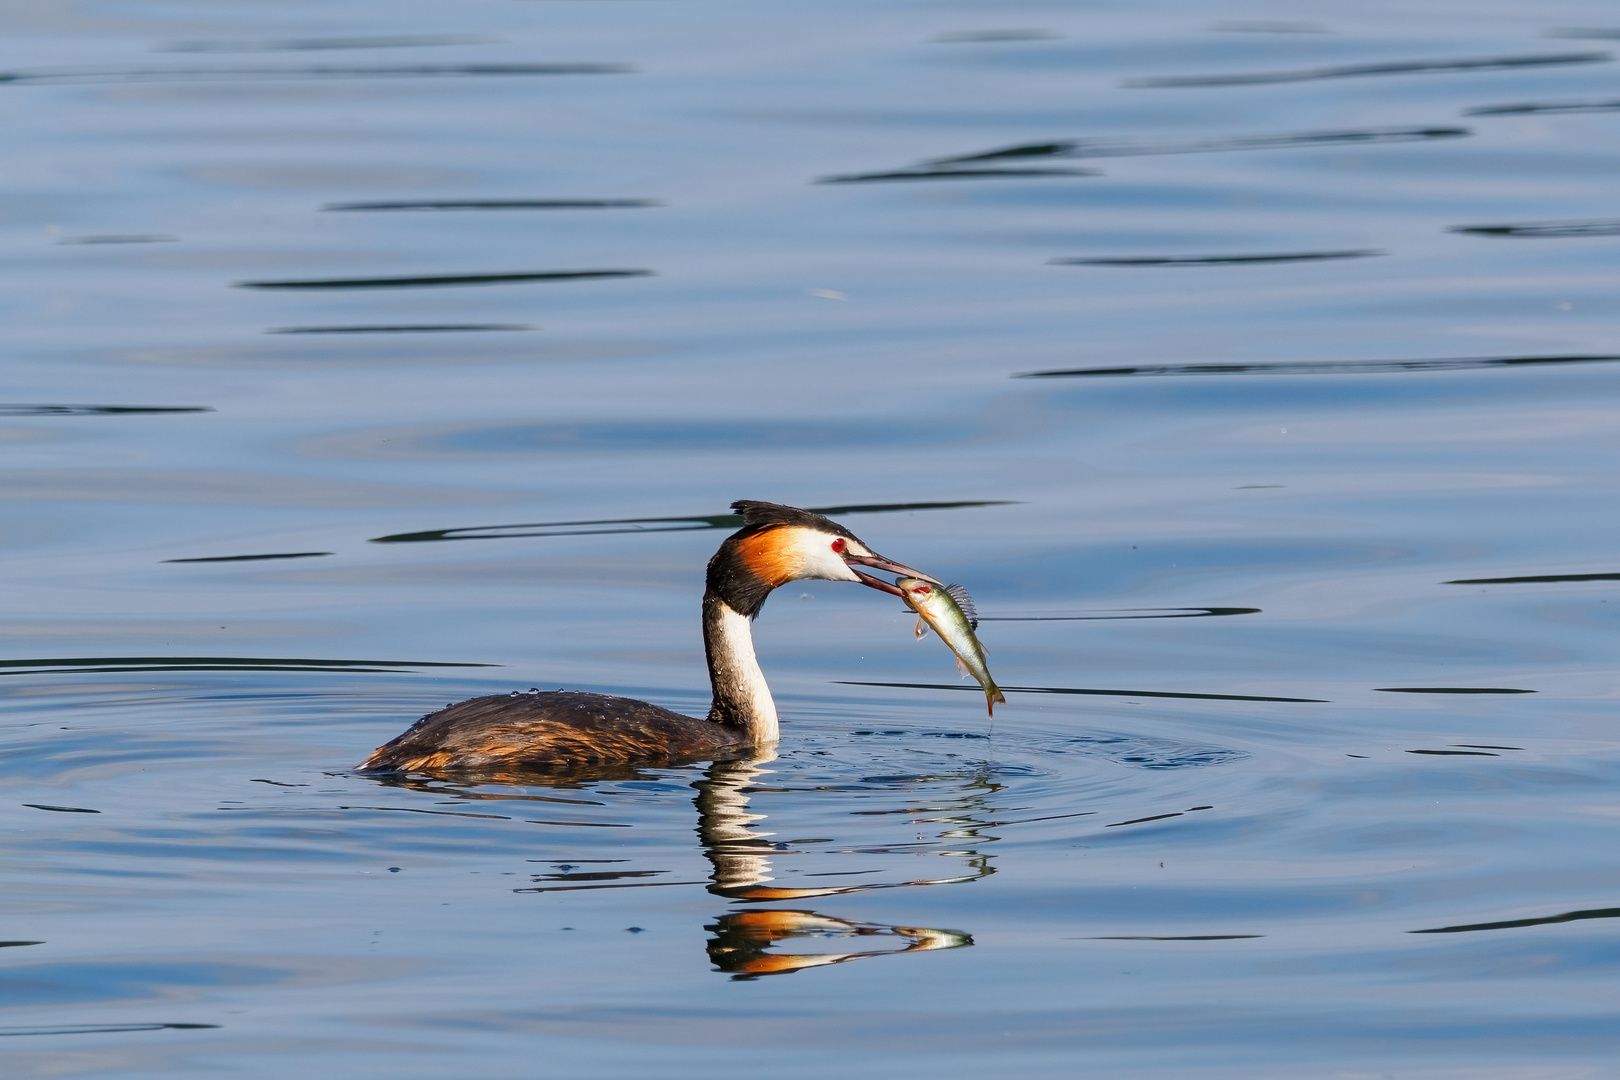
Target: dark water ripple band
{"type": "Point", "coordinates": [497, 204]}
{"type": "Point", "coordinates": [1544, 229]}
{"type": "Point", "coordinates": [1533, 579]}
{"type": "Point", "coordinates": [966, 166]}
{"type": "Point", "coordinates": [98, 410]}
{"type": "Point", "coordinates": [85, 665]}
{"type": "Point", "coordinates": [379, 41]}
{"type": "Point", "coordinates": [418, 328]}
{"type": "Point", "coordinates": [1568, 916]}
{"type": "Point", "coordinates": [252, 558]}
{"type": "Point", "coordinates": [952, 174]}
{"type": "Point", "coordinates": [649, 525]}
{"type": "Point", "coordinates": [1321, 367]}
{"type": "Point", "coordinates": [1609, 105]}
{"type": "Point", "coordinates": [1350, 71]}
{"type": "Point", "coordinates": [1218, 260]}
{"type": "Point", "coordinates": [98, 1029]}
{"type": "Point", "coordinates": [442, 279]}
{"type": "Point", "coordinates": [350, 71]}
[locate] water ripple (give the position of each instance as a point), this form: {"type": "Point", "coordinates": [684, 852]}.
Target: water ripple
{"type": "Point", "coordinates": [1320, 367]}
{"type": "Point", "coordinates": [413, 282]}
{"type": "Point", "coordinates": [1544, 229]}
{"type": "Point", "coordinates": [1218, 260]}
{"type": "Point", "coordinates": [350, 71]}
{"type": "Point", "coordinates": [1351, 71]}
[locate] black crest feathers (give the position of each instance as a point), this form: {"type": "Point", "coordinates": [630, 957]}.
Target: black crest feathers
{"type": "Point", "coordinates": [763, 515]}
{"type": "Point", "coordinates": [731, 579]}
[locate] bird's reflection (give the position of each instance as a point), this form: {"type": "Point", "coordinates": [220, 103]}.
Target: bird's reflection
{"type": "Point", "coordinates": [743, 943]}
{"type": "Point", "coordinates": [743, 940]}
{"type": "Point", "coordinates": [741, 856]}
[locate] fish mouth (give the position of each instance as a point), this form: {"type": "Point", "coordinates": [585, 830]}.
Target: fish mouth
{"type": "Point", "coordinates": [888, 566]}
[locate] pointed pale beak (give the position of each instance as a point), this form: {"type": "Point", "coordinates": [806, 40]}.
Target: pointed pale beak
{"type": "Point", "coordinates": [878, 562]}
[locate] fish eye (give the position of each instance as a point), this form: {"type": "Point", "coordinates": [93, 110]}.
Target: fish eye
{"type": "Point", "coordinates": [838, 545]}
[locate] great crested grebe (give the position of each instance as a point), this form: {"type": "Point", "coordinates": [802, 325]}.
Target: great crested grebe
{"type": "Point", "coordinates": [776, 545]}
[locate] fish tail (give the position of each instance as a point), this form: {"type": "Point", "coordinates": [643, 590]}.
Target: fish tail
{"type": "Point", "coordinates": [991, 697]}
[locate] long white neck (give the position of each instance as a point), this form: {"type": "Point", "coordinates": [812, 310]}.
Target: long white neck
{"type": "Point", "coordinates": [741, 698]}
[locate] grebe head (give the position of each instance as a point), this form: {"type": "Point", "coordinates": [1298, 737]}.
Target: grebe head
{"type": "Point", "coordinates": [779, 544]}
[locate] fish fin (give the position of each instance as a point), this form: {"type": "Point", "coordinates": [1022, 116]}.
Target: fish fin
{"type": "Point", "coordinates": [965, 602]}
{"type": "Point", "coordinates": [922, 628]}
{"type": "Point", "coordinates": [991, 697]}
{"type": "Point", "coordinates": [961, 668]}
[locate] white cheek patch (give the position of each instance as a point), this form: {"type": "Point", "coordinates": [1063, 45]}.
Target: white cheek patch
{"type": "Point", "coordinates": [817, 559]}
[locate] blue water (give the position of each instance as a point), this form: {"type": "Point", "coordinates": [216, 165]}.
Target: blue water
{"type": "Point", "coordinates": [1255, 367]}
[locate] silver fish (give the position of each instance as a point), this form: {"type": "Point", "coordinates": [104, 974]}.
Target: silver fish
{"type": "Point", "coordinates": [949, 610]}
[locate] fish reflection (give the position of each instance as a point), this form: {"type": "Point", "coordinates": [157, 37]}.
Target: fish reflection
{"type": "Point", "coordinates": [1350, 71]}
{"type": "Point", "coordinates": [743, 939]}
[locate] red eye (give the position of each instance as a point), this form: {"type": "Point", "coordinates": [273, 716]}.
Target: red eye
{"type": "Point", "coordinates": [838, 545]}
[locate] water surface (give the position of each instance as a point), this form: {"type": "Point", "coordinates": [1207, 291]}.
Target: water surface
{"type": "Point", "coordinates": [1254, 369]}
